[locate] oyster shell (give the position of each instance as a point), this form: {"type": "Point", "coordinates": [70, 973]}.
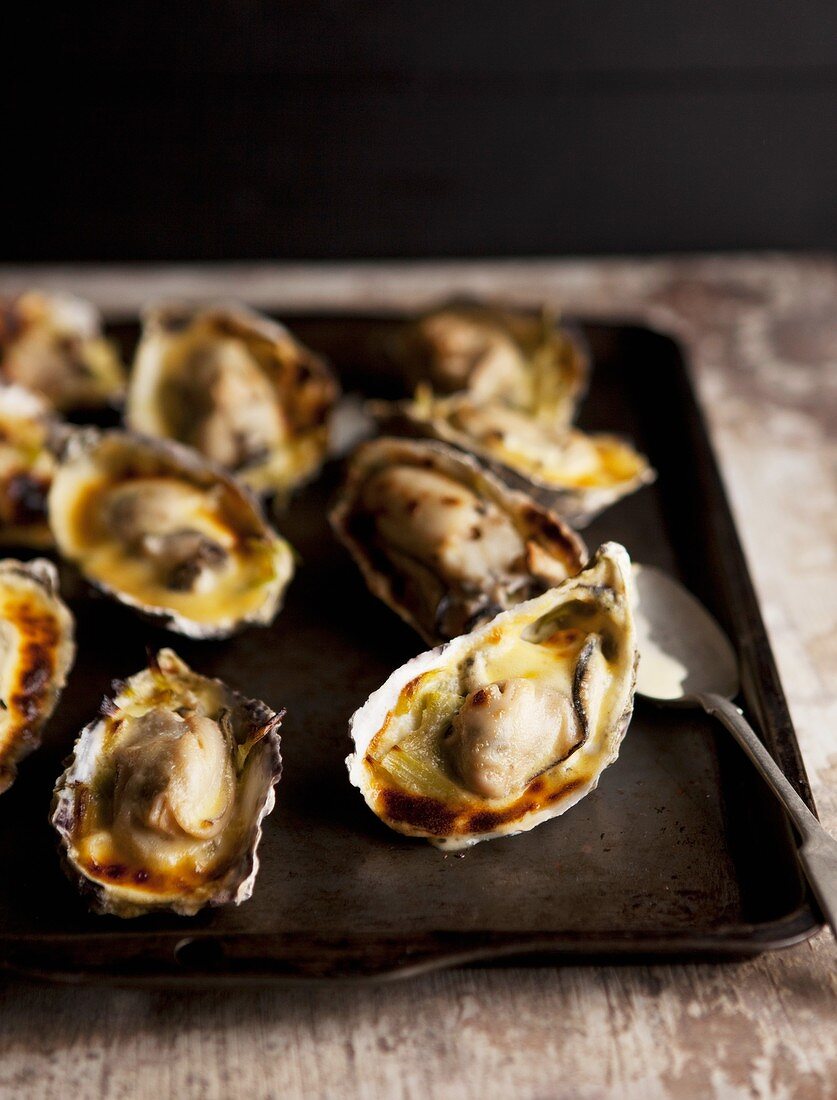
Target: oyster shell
{"type": "Point", "coordinates": [163, 531]}
{"type": "Point", "coordinates": [161, 806]}
{"type": "Point", "coordinates": [522, 359]}
{"type": "Point", "coordinates": [442, 541]}
{"type": "Point", "coordinates": [507, 727]}
{"type": "Point", "coordinates": [53, 344]}
{"type": "Point", "coordinates": [579, 474]}
{"type": "Point", "coordinates": [28, 434]}
{"type": "Point", "coordinates": [36, 653]}
{"type": "Point", "coordinates": [237, 387]}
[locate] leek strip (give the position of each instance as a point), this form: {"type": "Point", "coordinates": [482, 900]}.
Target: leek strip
{"type": "Point", "coordinates": [419, 776]}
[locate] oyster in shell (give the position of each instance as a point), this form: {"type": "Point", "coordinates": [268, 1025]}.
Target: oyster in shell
{"type": "Point", "coordinates": [53, 344]}
{"type": "Point", "coordinates": [163, 531]}
{"type": "Point", "coordinates": [162, 803]}
{"type": "Point", "coordinates": [36, 653]}
{"type": "Point", "coordinates": [28, 434]}
{"type": "Point", "coordinates": [442, 541]}
{"type": "Point", "coordinates": [579, 474]}
{"type": "Point", "coordinates": [237, 387]}
{"type": "Point", "coordinates": [523, 359]}
{"type": "Point", "coordinates": [507, 727]}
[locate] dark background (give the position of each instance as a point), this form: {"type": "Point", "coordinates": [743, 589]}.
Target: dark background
{"type": "Point", "coordinates": [256, 129]}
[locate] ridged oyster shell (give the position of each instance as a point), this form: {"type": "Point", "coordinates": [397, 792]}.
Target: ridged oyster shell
{"type": "Point", "coordinates": [53, 344]}
{"type": "Point", "coordinates": [36, 653]}
{"type": "Point", "coordinates": [163, 531]}
{"type": "Point", "coordinates": [507, 727]}
{"type": "Point", "coordinates": [442, 541]}
{"type": "Point", "coordinates": [238, 387]}
{"type": "Point", "coordinates": [162, 803]}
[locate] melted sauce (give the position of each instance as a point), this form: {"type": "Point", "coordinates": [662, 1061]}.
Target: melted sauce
{"type": "Point", "coordinates": [660, 676]}
{"type": "Point", "coordinates": [610, 463]}
{"type": "Point", "coordinates": [236, 589]}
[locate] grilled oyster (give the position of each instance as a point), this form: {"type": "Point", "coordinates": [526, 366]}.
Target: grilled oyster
{"type": "Point", "coordinates": [443, 542]}
{"type": "Point", "coordinates": [53, 344]}
{"type": "Point", "coordinates": [161, 806]}
{"type": "Point", "coordinates": [509, 726]}
{"type": "Point", "coordinates": [237, 387]}
{"type": "Point", "coordinates": [520, 358]}
{"type": "Point", "coordinates": [576, 473]}
{"type": "Point", "coordinates": [161, 530]}
{"type": "Point", "coordinates": [27, 463]}
{"type": "Point", "coordinates": [36, 653]}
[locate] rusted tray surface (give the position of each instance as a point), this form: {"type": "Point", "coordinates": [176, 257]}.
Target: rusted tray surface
{"type": "Point", "coordinates": [680, 851]}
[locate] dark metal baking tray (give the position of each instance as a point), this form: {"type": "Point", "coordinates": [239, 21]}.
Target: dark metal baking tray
{"type": "Point", "coordinates": [680, 852]}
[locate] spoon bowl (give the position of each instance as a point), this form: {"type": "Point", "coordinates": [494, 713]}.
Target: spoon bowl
{"type": "Point", "coordinates": [686, 659]}
{"type": "Point", "coordinates": [683, 649]}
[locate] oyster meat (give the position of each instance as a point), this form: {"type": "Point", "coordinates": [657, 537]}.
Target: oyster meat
{"type": "Point", "coordinates": [577, 473]}
{"type": "Point", "coordinates": [36, 654]}
{"type": "Point", "coordinates": [237, 387]}
{"type": "Point", "coordinates": [53, 344]}
{"type": "Point", "coordinates": [28, 433]}
{"type": "Point", "coordinates": [157, 527]}
{"type": "Point", "coordinates": [442, 541]}
{"type": "Point", "coordinates": [509, 726]}
{"type": "Point", "coordinates": [161, 806]}
{"type": "Point", "coordinates": [523, 359]}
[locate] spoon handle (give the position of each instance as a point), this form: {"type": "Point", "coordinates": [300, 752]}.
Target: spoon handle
{"type": "Point", "coordinates": [818, 853]}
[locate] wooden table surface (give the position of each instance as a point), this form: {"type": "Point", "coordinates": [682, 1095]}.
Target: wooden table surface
{"type": "Point", "coordinates": [762, 336]}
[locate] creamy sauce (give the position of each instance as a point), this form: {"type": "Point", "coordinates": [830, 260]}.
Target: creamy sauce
{"type": "Point", "coordinates": [235, 590]}
{"type": "Point", "coordinates": [571, 459]}
{"type": "Point", "coordinates": [659, 676]}
{"type": "Point", "coordinates": [513, 657]}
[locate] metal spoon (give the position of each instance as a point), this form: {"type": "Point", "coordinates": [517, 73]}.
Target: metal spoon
{"type": "Point", "coordinates": [687, 660]}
